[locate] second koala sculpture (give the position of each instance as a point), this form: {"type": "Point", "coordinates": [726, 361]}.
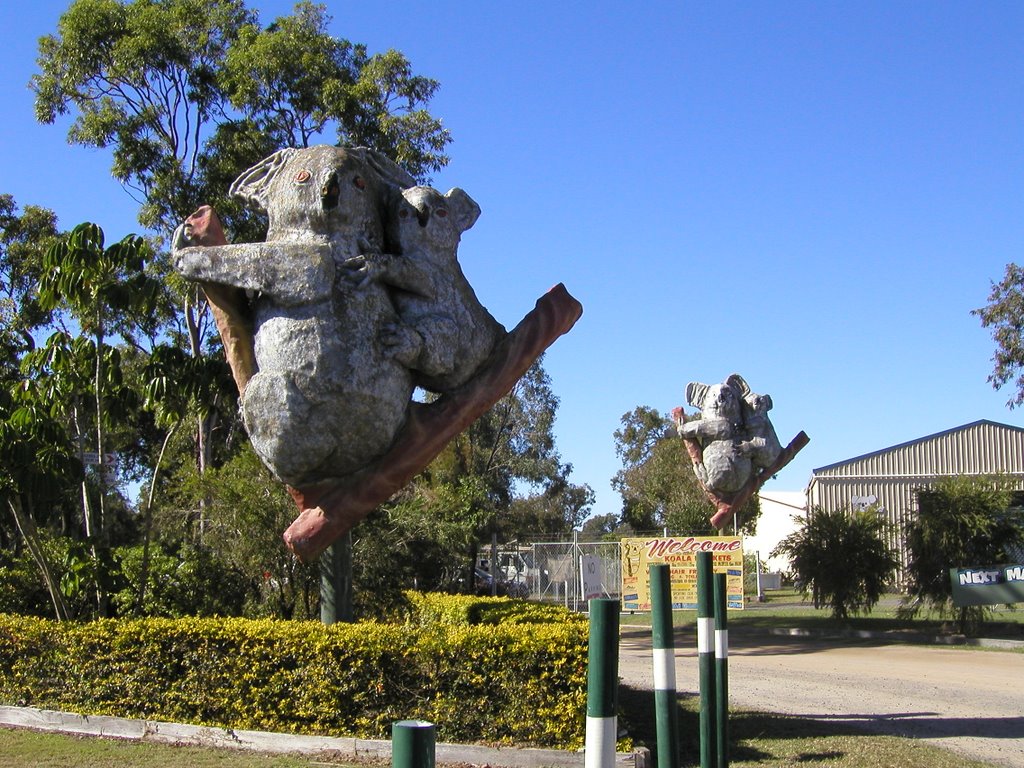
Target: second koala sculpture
{"type": "Point", "coordinates": [733, 445]}
{"type": "Point", "coordinates": [445, 332]}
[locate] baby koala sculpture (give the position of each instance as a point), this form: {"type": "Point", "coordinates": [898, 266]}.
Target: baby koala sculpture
{"type": "Point", "coordinates": [733, 445]}
{"type": "Point", "coordinates": [445, 333]}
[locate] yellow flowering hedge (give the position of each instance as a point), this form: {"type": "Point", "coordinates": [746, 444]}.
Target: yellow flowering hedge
{"type": "Point", "coordinates": [514, 683]}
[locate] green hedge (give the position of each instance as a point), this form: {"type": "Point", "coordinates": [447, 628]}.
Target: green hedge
{"type": "Point", "coordinates": [433, 609]}
{"type": "Point", "coordinates": [507, 683]}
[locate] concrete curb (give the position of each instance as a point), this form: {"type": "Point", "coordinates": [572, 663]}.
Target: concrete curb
{"type": "Point", "coordinates": [283, 743]}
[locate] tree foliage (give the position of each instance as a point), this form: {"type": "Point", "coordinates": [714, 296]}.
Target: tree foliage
{"type": "Point", "coordinates": [961, 521]}
{"type": "Point", "coordinates": [842, 558]}
{"type": "Point", "coordinates": [1004, 315]}
{"type": "Point", "coordinates": [188, 93]}
{"type": "Point", "coordinates": [657, 482]}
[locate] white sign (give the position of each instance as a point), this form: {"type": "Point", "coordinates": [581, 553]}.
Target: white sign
{"type": "Point", "coordinates": [91, 457]}
{"type": "Point", "coordinates": [592, 573]}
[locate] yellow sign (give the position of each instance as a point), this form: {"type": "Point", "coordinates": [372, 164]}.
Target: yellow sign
{"type": "Point", "coordinates": [681, 554]}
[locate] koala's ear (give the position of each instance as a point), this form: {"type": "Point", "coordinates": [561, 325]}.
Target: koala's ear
{"type": "Point", "coordinates": [253, 185]}
{"type": "Point", "coordinates": [767, 400]}
{"type": "Point", "coordinates": [736, 382]}
{"type": "Point", "coordinates": [464, 208]}
{"type": "Point", "coordinates": [390, 171]}
{"type": "Point", "coordinates": [695, 393]}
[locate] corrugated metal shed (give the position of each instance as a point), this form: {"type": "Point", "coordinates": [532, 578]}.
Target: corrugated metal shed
{"type": "Point", "coordinates": [889, 477]}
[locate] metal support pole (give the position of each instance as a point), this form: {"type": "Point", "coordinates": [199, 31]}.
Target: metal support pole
{"type": "Point", "coordinates": [666, 715]}
{"type": "Point", "coordinates": [721, 673]}
{"type": "Point", "coordinates": [602, 684]}
{"type": "Point", "coordinates": [412, 744]}
{"type": "Point", "coordinates": [336, 582]}
{"type": "Point", "coordinates": [706, 657]}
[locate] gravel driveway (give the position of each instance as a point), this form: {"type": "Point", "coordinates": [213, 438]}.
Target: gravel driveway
{"type": "Point", "coordinates": [967, 701]}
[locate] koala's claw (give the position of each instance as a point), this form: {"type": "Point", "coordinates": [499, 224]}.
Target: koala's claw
{"type": "Point", "coordinates": [362, 270]}
{"type": "Point", "coordinates": [182, 237]}
{"type": "Point", "coordinates": [402, 342]}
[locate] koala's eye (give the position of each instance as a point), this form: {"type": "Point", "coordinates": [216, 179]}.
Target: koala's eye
{"type": "Point", "coordinates": [442, 212]}
{"type": "Point", "coordinates": [403, 214]}
{"type": "Point", "coordinates": [358, 181]}
{"type": "Point", "coordinates": [302, 176]}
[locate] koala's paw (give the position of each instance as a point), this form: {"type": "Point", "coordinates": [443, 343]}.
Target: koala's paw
{"type": "Point", "coordinates": [362, 270]}
{"type": "Point", "coordinates": [182, 236]}
{"type": "Point", "coordinates": [401, 342]}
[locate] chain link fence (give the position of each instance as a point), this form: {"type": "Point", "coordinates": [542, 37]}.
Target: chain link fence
{"type": "Point", "coordinates": [564, 572]}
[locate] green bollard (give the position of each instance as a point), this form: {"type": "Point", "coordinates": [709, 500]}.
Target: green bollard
{"type": "Point", "coordinates": [412, 744]}
{"type": "Point", "coordinates": [602, 684]}
{"type": "Point", "coordinates": [706, 657]}
{"type": "Point", "coordinates": [666, 715]}
{"type": "Point", "coordinates": [721, 672]}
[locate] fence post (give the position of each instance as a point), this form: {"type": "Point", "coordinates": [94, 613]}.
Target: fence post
{"type": "Point", "coordinates": [721, 672]}
{"type": "Point", "coordinates": [706, 658]}
{"type": "Point", "coordinates": [412, 744]}
{"type": "Point", "coordinates": [602, 684]}
{"type": "Point", "coordinates": [664, 651]}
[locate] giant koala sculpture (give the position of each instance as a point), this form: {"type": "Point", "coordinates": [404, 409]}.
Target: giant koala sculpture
{"type": "Point", "coordinates": [329, 392]}
{"type": "Point", "coordinates": [355, 298]}
{"type": "Point", "coordinates": [734, 434]}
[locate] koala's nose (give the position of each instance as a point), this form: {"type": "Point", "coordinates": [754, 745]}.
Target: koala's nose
{"type": "Point", "coordinates": [423, 216]}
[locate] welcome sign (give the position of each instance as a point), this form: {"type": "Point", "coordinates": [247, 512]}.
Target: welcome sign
{"type": "Point", "coordinates": [680, 553]}
{"type": "Point", "coordinates": [993, 585]}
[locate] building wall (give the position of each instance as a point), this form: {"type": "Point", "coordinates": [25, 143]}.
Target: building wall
{"type": "Point", "coordinates": [782, 513]}
{"type": "Point", "coordinates": [890, 477]}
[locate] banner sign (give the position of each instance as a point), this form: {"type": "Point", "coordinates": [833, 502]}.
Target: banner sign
{"type": "Point", "coordinates": [994, 585]}
{"type": "Point", "coordinates": [681, 555]}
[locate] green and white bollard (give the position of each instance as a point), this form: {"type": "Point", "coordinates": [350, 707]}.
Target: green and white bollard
{"type": "Point", "coordinates": [721, 672]}
{"type": "Point", "coordinates": [666, 715]}
{"type": "Point", "coordinates": [602, 684]}
{"type": "Point", "coordinates": [706, 657]}
{"type": "Point", "coordinates": [412, 744]}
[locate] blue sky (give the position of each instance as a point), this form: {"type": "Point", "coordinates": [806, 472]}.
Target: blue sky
{"type": "Point", "coordinates": [814, 195]}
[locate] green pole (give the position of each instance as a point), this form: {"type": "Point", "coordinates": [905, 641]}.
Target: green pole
{"type": "Point", "coordinates": [336, 581]}
{"type": "Point", "coordinates": [602, 684]}
{"type": "Point", "coordinates": [721, 672]}
{"type": "Point", "coordinates": [412, 744]}
{"type": "Point", "coordinates": [706, 658]}
{"type": "Point", "coordinates": [664, 656]}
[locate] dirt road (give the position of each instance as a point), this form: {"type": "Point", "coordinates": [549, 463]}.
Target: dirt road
{"type": "Point", "coordinates": [967, 701]}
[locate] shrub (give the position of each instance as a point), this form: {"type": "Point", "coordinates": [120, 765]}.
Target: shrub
{"type": "Point", "coordinates": [509, 683]}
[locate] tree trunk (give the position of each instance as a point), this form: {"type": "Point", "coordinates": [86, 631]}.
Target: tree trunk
{"type": "Point", "coordinates": [27, 528]}
{"type": "Point", "coordinates": [147, 527]}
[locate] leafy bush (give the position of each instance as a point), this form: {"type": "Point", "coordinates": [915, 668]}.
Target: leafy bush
{"type": "Point", "coordinates": [841, 557]}
{"type": "Point", "coordinates": [507, 683]}
{"type": "Point", "coordinates": [431, 608]}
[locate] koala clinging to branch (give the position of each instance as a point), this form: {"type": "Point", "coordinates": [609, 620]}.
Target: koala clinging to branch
{"type": "Point", "coordinates": [327, 395]}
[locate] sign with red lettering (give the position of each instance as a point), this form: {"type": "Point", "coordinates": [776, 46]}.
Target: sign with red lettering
{"type": "Point", "coordinates": [680, 552]}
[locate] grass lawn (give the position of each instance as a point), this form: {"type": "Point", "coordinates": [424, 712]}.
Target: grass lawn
{"type": "Point", "coordinates": [21, 748]}
{"type": "Point", "coordinates": [787, 608]}
{"type": "Point", "coordinates": [760, 740]}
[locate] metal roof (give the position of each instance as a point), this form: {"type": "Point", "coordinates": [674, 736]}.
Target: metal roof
{"type": "Point", "coordinates": [918, 441]}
